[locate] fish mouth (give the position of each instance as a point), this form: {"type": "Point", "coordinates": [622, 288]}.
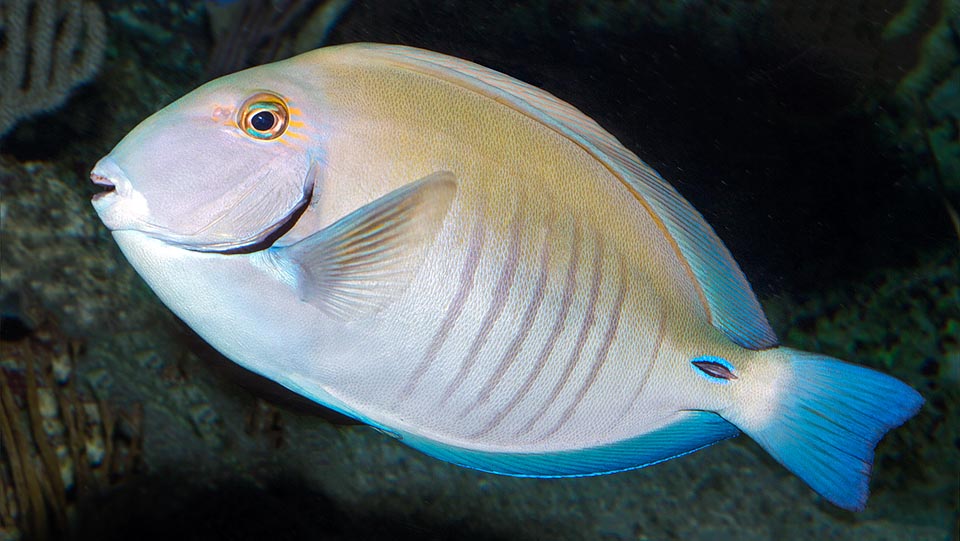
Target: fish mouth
{"type": "Point", "coordinates": [116, 205]}
{"type": "Point", "coordinates": [108, 175]}
{"type": "Point", "coordinates": [108, 185]}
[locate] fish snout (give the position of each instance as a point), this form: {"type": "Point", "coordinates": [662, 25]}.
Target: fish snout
{"type": "Point", "coordinates": [109, 175]}
{"type": "Point", "coordinates": [119, 206]}
{"type": "Point", "coordinates": [101, 180]}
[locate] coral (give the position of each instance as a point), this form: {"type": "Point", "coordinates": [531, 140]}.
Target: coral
{"type": "Point", "coordinates": [938, 51]}
{"type": "Point", "coordinates": [318, 25]}
{"type": "Point", "coordinates": [924, 104]}
{"type": "Point", "coordinates": [259, 32]}
{"type": "Point", "coordinates": [61, 443]}
{"type": "Point", "coordinates": [54, 250]}
{"type": "Point", "coordinates": [48, 47]}
{"type": "Point", "coordinates": [906, 21]}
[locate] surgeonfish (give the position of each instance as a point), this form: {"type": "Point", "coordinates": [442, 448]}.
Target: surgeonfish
{"type": "Point", "coordinates": [473, 266]}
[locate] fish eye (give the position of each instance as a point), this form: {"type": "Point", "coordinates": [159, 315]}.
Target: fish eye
{"type": "Point", "coordinates": [264, 116]}
{"type": "Point", "coordinates": [263, 121]}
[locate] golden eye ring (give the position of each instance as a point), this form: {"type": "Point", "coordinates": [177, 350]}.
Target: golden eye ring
{"type": "Point", "coordinates": [264, 116]}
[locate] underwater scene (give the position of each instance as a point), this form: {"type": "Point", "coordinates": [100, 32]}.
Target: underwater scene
{"type": "Point", "coordinates": [437, 270]}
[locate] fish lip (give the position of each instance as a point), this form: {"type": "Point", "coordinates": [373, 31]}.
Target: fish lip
{"type": "Point", "coordinates": [101, 180]}
{"type": "Point", "coordinates": [119, 206]}
{"type": "Point", "coordinates": [107, 174]}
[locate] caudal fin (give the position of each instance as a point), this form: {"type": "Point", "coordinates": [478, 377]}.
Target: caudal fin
{"type": "Point", "coordinates": [829, 419]}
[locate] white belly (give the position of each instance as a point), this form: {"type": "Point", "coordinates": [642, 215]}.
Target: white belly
{"type": "Point", "coordinates": [484, 350]}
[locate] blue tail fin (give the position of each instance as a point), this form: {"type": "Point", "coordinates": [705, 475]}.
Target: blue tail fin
{"type": "Point", "coordinates": [829, 420]}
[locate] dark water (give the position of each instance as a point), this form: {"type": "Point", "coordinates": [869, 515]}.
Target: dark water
{"type": "Point", "coordinates": [820, 139]}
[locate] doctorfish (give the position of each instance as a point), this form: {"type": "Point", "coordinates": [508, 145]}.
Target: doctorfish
{"type": "Point", "coordinates": [473, 266]}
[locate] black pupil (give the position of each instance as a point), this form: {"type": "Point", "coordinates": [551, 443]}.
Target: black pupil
{"type": "Point", "coordinates": [263, 121]}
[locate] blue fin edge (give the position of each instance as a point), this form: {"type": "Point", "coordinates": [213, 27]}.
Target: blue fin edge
{"type": "Point", "coordinates": [692, 431]}
{"type": "Point", "coordinates": [829, 421]}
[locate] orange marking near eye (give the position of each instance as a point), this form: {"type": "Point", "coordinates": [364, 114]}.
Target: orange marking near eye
{"type": "Point", "coordinates": [294, 110]}
{"type": "Point", "coordinates": [296, 124]}
{"type": "Point", "coordinates": [295, 135]}
{"type": "Point", "coordinates": [223, 115]}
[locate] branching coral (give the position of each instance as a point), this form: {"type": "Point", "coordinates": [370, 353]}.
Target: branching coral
{"type": "Point", "coordinates": [58, 444]}
{"type": "Point", "coordinates": [47, 47]}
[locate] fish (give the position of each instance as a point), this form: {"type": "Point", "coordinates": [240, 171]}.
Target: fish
{"type": "Point", "coordinates": [474, 267]}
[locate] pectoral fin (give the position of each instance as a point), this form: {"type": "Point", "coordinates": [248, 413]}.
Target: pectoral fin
{"type": "Point", "coordinates": [359, 264]}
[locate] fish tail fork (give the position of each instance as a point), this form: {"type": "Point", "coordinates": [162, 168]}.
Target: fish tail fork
{"type": "Point", "coordinates": [825, 419]}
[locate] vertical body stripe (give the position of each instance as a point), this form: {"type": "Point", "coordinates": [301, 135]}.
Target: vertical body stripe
{"type": "Point", "coordinates": [654, 356]}
{"type": "Point", "coordinates": [588, 321]}
{"type": "Point", "coordinates": [566, 300]}
{"type": "Point", "coordinates": [526, 324]}
{"type": "Point", "coordinates": [467, 275]}
{"type": "Point", "coordinates": [501, 293]}
{"type": "Point", "coordinates": [613, 323]}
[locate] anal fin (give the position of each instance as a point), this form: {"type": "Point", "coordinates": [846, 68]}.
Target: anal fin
{"type": "Point", "coordinates": [689, 431]}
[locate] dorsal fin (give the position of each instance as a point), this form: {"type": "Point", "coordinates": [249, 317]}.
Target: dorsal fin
{"type": "Point", "coordinates": [724, 292]}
